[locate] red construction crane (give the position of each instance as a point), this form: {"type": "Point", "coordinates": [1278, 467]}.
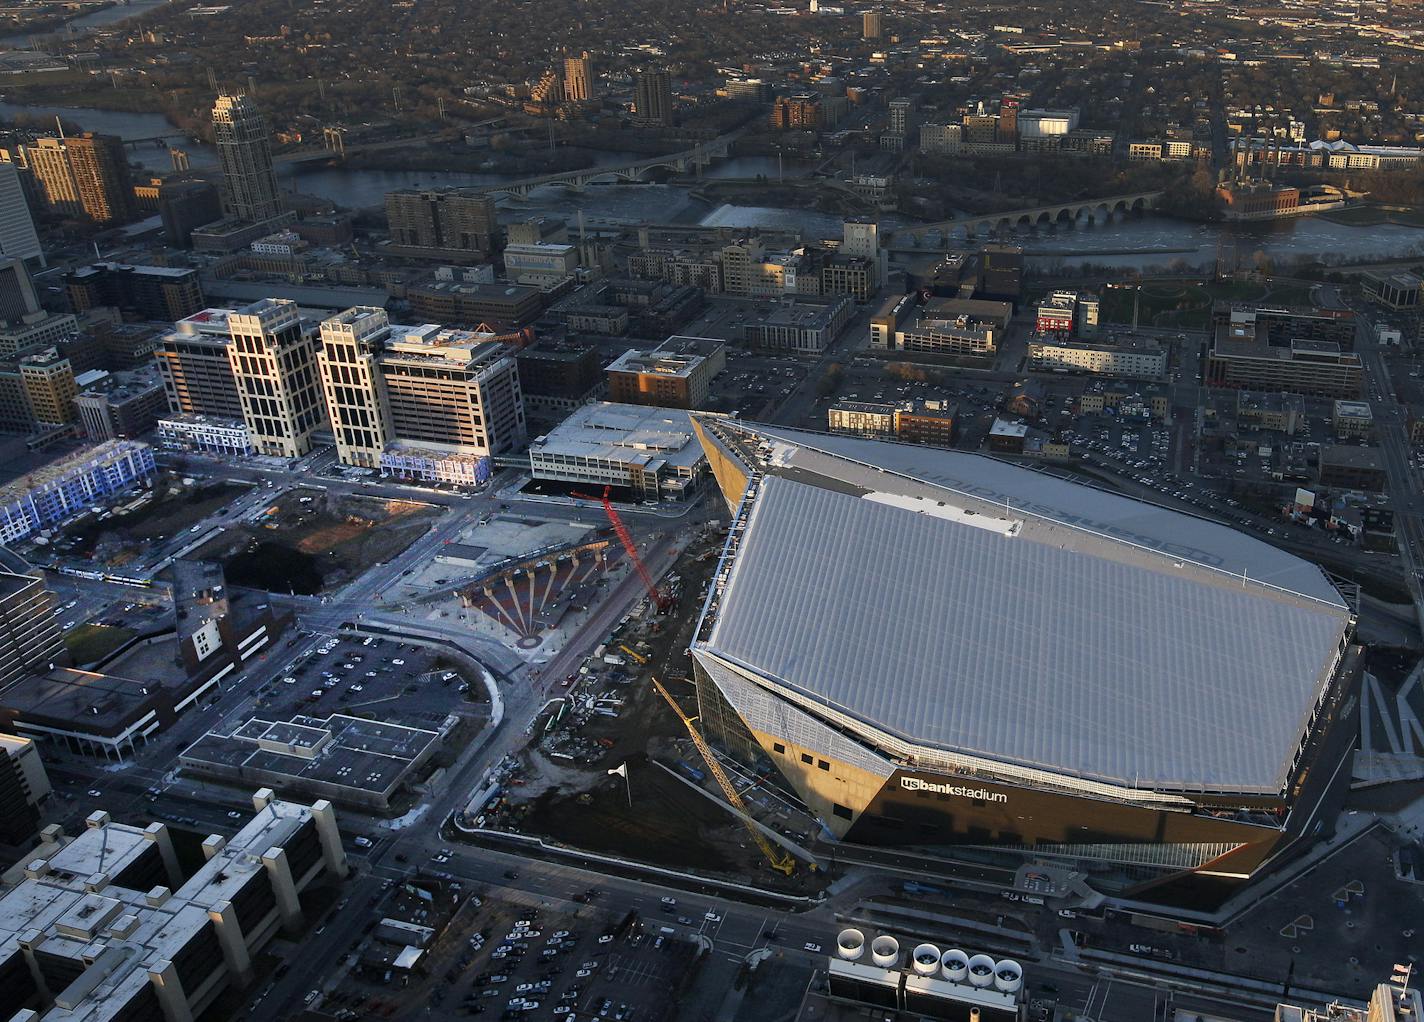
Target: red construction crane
{"type": "Point", "coordinates": [661, 598]}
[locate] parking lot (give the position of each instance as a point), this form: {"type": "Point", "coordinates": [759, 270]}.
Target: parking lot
{"type": "Point", "coordinates": [393, 681]}
{"type": "Point", "coordinates": [513, 957]}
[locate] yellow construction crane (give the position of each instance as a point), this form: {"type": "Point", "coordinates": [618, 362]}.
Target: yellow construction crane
{"type": "Point", "coordinates": [779, 859]}
{"type": "Point", "coordinates": [636, 656]}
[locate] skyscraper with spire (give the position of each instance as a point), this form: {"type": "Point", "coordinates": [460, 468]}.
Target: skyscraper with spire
{"type": "Point", "coordinates": [249, 186]}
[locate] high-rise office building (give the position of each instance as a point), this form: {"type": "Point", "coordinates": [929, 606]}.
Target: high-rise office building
{"type": "Point", "coordinates": [580, 85]}
{"type": "Point", "coordinates": [18, 298]}
{"type": "Point", "coordinates": [652, 96]}
{"type": "Point", "coordinates": [273, 359]}
{"type": "Point", "coordinates": [249, 190]}
{"type": "Point", "coordinates": [24, 786]}
{"type": "Point", "coordinates": [900, 116]}
{"type": "Point", "coordinates": [18, 239]}
{"type": "Point", "coordinates": [870, 25]}
{"type": "Point", "coordinates": [47, 378]}
{"type": "Point", "coordinates": [87, 175]}
{"type": "Point", "coordinates": [441, 223]}
{"type": "Point", "coordinates": [29, 634]}
{"type": "Point", "coordinates": [436, 395]}
{"type": "Point", "coordinates": [351, 381]}
{"type": "Point", "coordinates": [193, 362]}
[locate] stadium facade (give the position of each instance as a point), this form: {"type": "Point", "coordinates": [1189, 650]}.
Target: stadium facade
{"type": "Point", "coordinates": [938, 648]}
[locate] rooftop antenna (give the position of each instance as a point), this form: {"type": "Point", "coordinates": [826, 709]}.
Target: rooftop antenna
{"type": "Point", "coordinates": [60, 125]}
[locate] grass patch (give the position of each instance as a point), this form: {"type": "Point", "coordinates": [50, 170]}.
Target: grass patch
{"type": "Point", "coordinates": [1184, 304]}
{"type": "Point", "coordinates": [88, 643]}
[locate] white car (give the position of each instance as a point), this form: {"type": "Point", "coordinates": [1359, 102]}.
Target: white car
{"type": "Point", "coordinates": [398, 662]}
{"type": "Point", "coordinates": [362, 842]}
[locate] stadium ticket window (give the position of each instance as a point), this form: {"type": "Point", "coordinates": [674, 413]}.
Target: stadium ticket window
{"type": "Point", "coordinates": [778, 748]}
{"type": "Point", "coordinates": [807, 758]}
{"type": "Point", "coordinates": [840, 810]}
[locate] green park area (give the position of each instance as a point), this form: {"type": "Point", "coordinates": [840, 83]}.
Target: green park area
{"type": "Point", "coordinates": [89, 643]}
{"type": "Point", "coordinates": [1186, 304]}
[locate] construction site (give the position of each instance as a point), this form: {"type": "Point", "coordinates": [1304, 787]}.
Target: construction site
{"type": "Point", "coordinates": [615, 763]}
{"type": "Point", "coordinates": [309, 541]}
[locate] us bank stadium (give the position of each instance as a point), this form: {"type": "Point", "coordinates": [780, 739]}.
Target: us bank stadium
{"type": "Point", "coordinates": [939, 648]}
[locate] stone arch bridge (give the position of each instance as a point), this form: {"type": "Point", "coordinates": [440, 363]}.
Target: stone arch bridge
{"type": "Point", "coordinates": [1038, 216]}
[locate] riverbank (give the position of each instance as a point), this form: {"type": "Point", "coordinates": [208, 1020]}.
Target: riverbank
{"type": "Point", "coordinates": [1375, 215]}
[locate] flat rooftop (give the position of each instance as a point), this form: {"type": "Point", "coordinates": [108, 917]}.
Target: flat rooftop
{"type": "Point", "coordinates": [958, 603]}
{"type": "Point", "coordinates": [656, 363]}
{"type": "Point", "coordinates": [348, 751]}
{"type": "Point", "coordinates": [634, 434]}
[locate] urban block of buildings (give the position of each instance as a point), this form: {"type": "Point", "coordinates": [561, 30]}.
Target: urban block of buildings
{"type": "Point", "coordinates": [110, 708]}
{"type": "Point", "coordinates": [106, 926]}
{"type": "Point", "coordinates": [960, 327]}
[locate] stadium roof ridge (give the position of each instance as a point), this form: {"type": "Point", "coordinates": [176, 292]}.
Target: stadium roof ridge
{"type": "Point", "coordinates": [963, 605]}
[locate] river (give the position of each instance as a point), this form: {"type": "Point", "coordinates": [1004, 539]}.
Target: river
{"type": "Point", "coordinates": [1139, 242]}
{"type": "Point", "coordinates": [85, 22]}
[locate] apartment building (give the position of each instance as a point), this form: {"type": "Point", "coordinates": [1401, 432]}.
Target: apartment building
{"type": "Point", "coordinates": [193, 362]}
{"type": "Point", "coordinates": [580, 79]}
{"type": "Point", "coordinates": [441, 223]}
{"type": "Point", "coordinates": [71, 485]}
{"type": "Point", "coordinates": [273, 358]}
{"type": "Point", "coordinates": [1137, 358]}
{"type": "Point", "coordinates": [86, 175]}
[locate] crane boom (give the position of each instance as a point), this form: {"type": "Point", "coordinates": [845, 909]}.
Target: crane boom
{"type": "Point", "coordinates": [661, 598]}
{"type": "Point", "coordinates": [780, 860]}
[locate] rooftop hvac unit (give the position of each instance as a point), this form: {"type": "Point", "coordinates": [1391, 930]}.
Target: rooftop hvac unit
{"type": "Point", "coordinates": [850, 944]}
{"type": "Point", "coordinates": [885, 952]}
{"type": "Point", "coordinates": [981, 971]}
{"type": "Point", "coordinates": [955, 965]}
{"type": "Point", "coordinates": [1008, 976]}
{"type": "Point", "coordinates": [925, 959]}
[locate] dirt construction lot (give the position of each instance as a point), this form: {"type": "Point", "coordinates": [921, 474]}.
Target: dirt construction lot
{"type": "Point", "coordinates": [309, 541]}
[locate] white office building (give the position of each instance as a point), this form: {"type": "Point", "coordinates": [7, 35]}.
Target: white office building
{"type": "Point", "coordinates": [18, 239]}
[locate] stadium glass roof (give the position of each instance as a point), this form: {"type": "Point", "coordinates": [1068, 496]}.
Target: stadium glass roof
{"type": "Point", "coordinates": [1094, 636]}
